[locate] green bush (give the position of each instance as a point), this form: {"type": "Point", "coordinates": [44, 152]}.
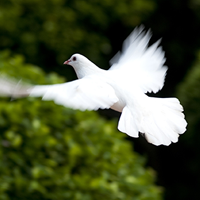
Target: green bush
{"type": "Point", "coordinates": [39, 29]}
{"type": "Point", "coordinates": [188, 91]}
{"type": "Point", "coordinates": [188, 154]}
{"type": "Point", "coordinates": [48, 151]}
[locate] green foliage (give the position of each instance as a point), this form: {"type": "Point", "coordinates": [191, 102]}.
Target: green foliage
{"type": "Point", "coordinates": [51, 152]}
{"type": "Point", "coordinates": [189, 152]}
{"type": "Point", "coordinates": [188, 92]}
{"type": "Point", "coordinates": [39, 29]}
{"type": "Point", "coordinates": [15, 67]}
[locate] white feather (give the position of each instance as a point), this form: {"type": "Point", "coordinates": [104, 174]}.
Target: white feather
{"type": "Point", "coordinates": [139, 64]}
{"type": "Point", "coordinates": [83, 94]}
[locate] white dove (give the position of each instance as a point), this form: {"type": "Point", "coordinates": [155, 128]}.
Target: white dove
{"type": "Point", "coordinates": [137, 70]}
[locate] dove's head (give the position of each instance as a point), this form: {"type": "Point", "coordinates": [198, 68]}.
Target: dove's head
{"type": "Point", "coordinates": [81, 65]}
{"type": "Point", "coordinates": [73, 60]}
{"type": "Point", "coordinates": [76, 60]}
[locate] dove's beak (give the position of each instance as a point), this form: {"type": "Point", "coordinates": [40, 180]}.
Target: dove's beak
{"type": "Point", "coordinates": [67, 62]}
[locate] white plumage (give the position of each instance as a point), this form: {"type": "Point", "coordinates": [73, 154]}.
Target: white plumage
{"type": "Point", "coordinates": [135, 71]}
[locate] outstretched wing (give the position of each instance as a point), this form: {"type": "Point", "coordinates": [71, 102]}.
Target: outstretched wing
{"type": "Point", "coordinates": [83, 94]}
{"type": "Point", "coordinates": [139, 64]}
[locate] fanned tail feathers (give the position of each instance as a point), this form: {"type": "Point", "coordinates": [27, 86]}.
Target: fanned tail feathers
{"type": "Point", "coordinates": [127, 123]}
{"type": "Point", "coordinates": [161, 123]}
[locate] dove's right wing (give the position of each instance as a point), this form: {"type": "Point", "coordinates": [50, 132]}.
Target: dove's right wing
{"type": "Point", "coordinates": [139, 64]}
{"type": "Point", "coordinates": [83, 94]}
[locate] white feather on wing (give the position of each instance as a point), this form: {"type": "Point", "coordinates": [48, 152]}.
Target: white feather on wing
{"type": "Point", "coordinates": [83, 94]}
{"type": "Point", "coordinates": [140, 64]}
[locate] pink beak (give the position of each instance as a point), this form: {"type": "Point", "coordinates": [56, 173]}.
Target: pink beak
{"type": "Point", "coordinates": [67, 62]}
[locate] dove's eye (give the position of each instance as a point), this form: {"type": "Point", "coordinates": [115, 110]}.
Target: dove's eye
{"type": "Point", "coordinates": [74, 58]}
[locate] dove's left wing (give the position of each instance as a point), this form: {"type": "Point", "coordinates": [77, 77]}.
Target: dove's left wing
{"type": "Point", "coordinates": [83, 94]}
{"type": "Point", "coordinates": [139, 64]}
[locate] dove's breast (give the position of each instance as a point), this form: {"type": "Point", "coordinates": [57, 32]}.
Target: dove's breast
{"type": "Point", "coordinates": [114, 80]}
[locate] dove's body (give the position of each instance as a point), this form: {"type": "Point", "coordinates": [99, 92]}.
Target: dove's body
{"type": "Point", "coordinates": [122, 88]}
{"type": "Point", "coordinates": [160, 119]}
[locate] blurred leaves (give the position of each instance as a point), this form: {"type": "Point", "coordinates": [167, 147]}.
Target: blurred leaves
{"type": "Point", "coordinates": [27, 72]}
{"type": "Point", "coordinates": [188, 154]}
{"type": "Point", "coordinates": [188, 92]}
{"type": "Point", "coordinates": [51, 152]}
{"type": "Point", "coordinates": [39, 29]}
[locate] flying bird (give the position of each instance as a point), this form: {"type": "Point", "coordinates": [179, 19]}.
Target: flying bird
{"type": "Point", "coordinates": [138, 69]}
